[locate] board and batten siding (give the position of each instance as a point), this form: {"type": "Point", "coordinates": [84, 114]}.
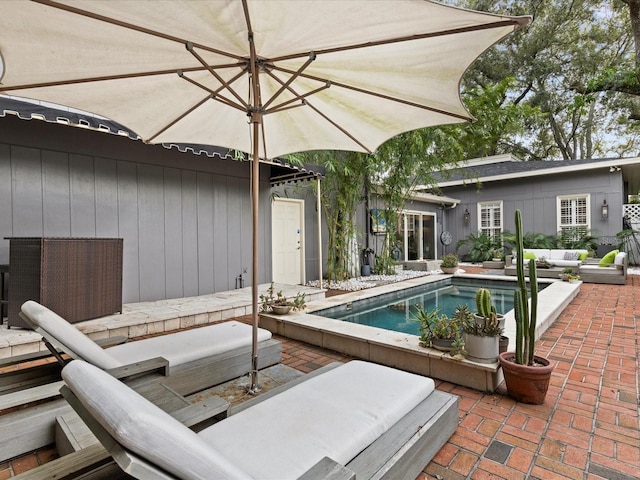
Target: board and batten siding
{"type": "Point", "coordinates": [185, 220]}
{"type": "Point", "coordinates": [537, 198]}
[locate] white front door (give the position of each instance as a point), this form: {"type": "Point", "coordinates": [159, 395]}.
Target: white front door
{"type": "Point", "coordinates": [287, 241]}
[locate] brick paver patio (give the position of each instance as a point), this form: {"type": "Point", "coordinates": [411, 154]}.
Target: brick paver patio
{"type": "Point", "coordinates": [588, 427]}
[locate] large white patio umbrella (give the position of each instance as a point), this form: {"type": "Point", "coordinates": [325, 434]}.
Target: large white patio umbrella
{"type": "Point", "coordinates": [266, 77]}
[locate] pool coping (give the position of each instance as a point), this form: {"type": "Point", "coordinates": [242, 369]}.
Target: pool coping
{"type": "Point", "coordinates": [402, 350]}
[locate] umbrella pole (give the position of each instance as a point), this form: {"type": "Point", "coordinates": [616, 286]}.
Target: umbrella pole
{"type": "Point", "coordinates": [255, 193]}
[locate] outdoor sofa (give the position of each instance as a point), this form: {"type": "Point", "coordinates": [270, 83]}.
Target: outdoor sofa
{"type": "Point", "coordinates": [550, 262]}
{"type": "Point", "coordinates": [356, 420]}
{"type": "Point", "coordinates": [611, 269]}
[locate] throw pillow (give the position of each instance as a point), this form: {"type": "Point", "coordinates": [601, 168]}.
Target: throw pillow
{"type": "Point", "coordinates": [571, 255]}
{"type": "Point", "coordinates": [608, 259]}
{"type": "Point", "coordinates": [529, 256]}
{"type": "Point", "coordinates": [583, 256]}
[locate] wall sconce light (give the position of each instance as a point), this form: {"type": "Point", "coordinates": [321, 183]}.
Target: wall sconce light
{"type": "Point", "coordinates": [604, 209]}
{"type": "Point", "coordinates": [466, 216]}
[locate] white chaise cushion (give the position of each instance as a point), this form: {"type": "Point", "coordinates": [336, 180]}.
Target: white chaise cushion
{"type": "Point", "coordinates": [72, 340]}
{"type": "Point", "coordinates": [336, 414]}
{"type": "Point", "coordinates": [189, 345]}
{"type": "Point", "coordinates": [144, 428]}
{"type": "Point", "coordinates": [176, 347]}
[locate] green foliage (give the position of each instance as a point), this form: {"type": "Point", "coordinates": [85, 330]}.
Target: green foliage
{"type": "Point", "coordinates": [271, 298]}
{"type": "Point", "coordinates": [481, 246]}
{"type": "Point", "coordinates": [574, 69]}
{"type": "Point", "coordinates": [531, 240]}
{"type": "Point", "coordinates": [449, 260]}
{"type": "Point", "coordinates": [577, 238]}
{"type": "Point", "coordinates": [526, 318]}
{"type": "Point", "coordinates": [434, 325]}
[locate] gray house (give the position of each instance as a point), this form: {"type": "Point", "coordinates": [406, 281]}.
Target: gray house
{"type": "Point", "coordinates": [184, 213]}
{"type": "Point", "coordinates": [483, 194]}
{"type": "Point", "coordinates": [552, 195]}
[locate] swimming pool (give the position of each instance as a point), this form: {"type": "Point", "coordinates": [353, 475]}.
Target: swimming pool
{"type": "Point", "coordinates": [395, 311]}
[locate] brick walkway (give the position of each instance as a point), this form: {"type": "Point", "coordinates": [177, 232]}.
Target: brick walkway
{"type": "Point", "coordinates": [588, 427]}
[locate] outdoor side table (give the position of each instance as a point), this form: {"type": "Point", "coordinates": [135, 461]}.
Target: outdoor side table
{"type": "Point", "coordinates": [78, 278]}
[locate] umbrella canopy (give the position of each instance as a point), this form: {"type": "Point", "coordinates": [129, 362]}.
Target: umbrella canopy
{"type": "Point", "coordinates": [266, 77]}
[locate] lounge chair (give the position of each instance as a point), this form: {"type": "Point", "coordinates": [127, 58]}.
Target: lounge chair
{"type": "Point", "coordinates": [167, 368]}
{"type": "Point", "coordinates": [195, 358]}
{"type": "Point", "coordinates": [359, 420]}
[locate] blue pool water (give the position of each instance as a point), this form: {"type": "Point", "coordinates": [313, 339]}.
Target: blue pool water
{"type": "Point", "coordinates": [395, 311]}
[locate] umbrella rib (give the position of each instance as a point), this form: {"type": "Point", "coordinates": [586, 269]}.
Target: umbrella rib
{"type": "Point", "coordinates": [343, 130]}
{"type": "Point", "coordinates": [104, 78]}
{"type": "Point", "coordinates": [380, 95]}
{"type": "Point", "coordinates": [287, 105]}
{"type": "Point", "coordinates": [191, 50]}
{"type": "Point", "coordinates": [215, 94]}
{"type": "Point", "coordinates": [176, 120]}
{"type": "Point", "coordinates": [291, 79]}
{"type": "Point", "coordinates": [516, 23]}
{"type": "Point", "coordinates": [130, 26]}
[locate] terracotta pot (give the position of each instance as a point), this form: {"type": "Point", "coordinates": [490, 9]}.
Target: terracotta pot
{"type": "Point", "coordinates": [526, 384]}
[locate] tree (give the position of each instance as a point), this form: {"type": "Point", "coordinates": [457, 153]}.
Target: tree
{"type": "Point", "coordinates": [560, 64]}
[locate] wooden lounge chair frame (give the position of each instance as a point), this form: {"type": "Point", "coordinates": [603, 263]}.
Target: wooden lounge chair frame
{"type": "Point", "coordinates": [400, 453]}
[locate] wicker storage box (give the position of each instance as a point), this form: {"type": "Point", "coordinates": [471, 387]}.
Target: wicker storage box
{"type": "Point", "coordinates": [78, 278]}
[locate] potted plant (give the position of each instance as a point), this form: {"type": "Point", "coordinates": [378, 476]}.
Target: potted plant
{"type": "Point", "coordinates": [526, 375]}
{"type": "Point", "coordinates": [482, 333]}
{"type": "Point", "coordinates": [449, 263]}
{"type": "Point", "coordinates": [566, 272]}
{"type": "Point", "coordinates": [485, 308]}
{"type": "Point", "coordinates": [279, 304]}
{"type": "Point", "coordinates": [439, 331]}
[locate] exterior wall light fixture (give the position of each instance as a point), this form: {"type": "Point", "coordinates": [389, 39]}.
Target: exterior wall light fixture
{"type": "Point", "coordinates": [604, 209]}
{"type": "Point", "coordinates": [466, 216]}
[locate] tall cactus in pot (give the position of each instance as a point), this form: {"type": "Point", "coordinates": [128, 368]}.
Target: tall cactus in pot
{"type": "Point", "coordinates": [526, 318]}
{"type": "Point", "coordinates": [526, 375]}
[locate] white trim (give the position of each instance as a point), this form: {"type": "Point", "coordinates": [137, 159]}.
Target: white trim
{"type": "Point", "coordinates": [567, 167]}
{"type": "Point", "coordinates": [559, 199]}
{"type": "Point", "coordinates": [405, 239]}
{"type": "Point", "coordinates": [486, 203]}
{"type": "Point", "coordinates": [300, 203]}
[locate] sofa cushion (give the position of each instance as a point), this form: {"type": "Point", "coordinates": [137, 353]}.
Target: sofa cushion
{"type": "Point", "coordinates": [565, 263]}
{"type": "Point", "coordinates": [540, 253]}
{"type": "Point", "coordinates": [529, 256]}
{"type": "Point", "coordinates": [562, 254]}
{"type": "Point", "coordinates": [597, 269]}
{"type": "Point", "coordinates": [583, 256]}
{"type": "Point", "coordinates": [620, 258]}
{"type": "Point", "coordinates": [608, 259]}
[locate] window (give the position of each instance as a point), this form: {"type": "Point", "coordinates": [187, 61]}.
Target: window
{"type": "Point", "coordinates": [490, 218]}
{"type": "Point", "coordinates": [573, 214]}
